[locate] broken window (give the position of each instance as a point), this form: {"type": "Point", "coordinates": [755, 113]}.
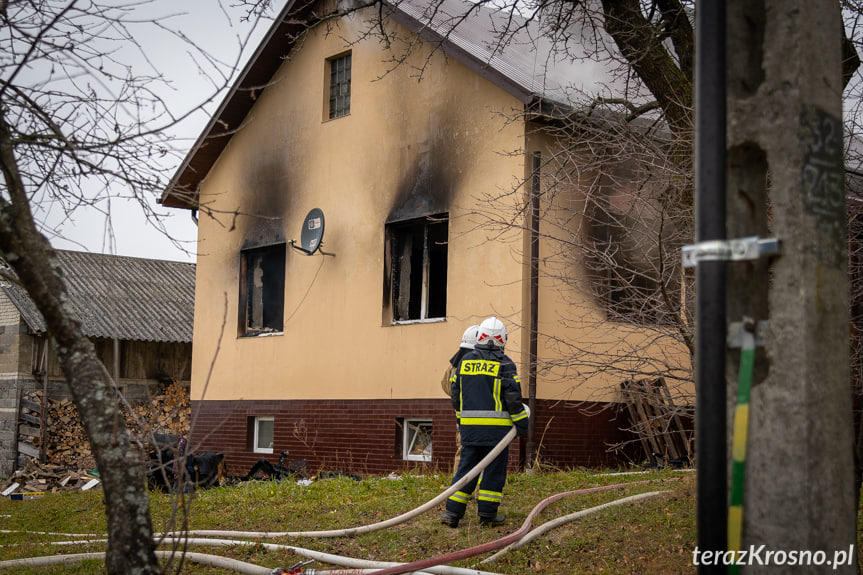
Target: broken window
{"type": "Point", "coordinates": [263, 434]}
{"type": "Point", "coordinates": [262, 290]}
{"type": "Point", "coordinates": [417, 268]}
{"type": "Point", "coordinates": [340, 86]}
{"type": "Point", "coordinates": [416, 439]}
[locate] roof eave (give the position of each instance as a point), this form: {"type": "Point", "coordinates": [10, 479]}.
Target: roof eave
{"type": "Point", "coordinates": [182, 190]}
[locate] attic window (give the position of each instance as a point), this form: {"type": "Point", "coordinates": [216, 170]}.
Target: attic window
{"type": "Point", "coordinates": [340, 86]}
{"type": "Point", "coordinates": [416, 279]}
{"type": "Point", "coordinates": [262, 290]}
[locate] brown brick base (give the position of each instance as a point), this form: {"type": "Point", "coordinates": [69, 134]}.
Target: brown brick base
{"type": "Point", "coordinates": [362, 437]}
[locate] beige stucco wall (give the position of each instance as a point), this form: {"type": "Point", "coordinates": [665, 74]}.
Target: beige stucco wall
{"type": "Point", "coordinates": [583, 355]}
{"type": "Point", "coordinates": [409, 147]}
{"type": "Point", "coordinates": [361, 170]}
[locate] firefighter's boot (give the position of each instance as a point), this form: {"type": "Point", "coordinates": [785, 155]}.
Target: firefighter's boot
{"type": "Point", "coordinates": [491, 519]}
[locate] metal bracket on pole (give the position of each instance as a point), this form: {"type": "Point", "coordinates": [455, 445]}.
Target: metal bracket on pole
{"type": "Point", "coordinates": [750, 248]}
{"type": "Point", "coordinates": [739, 330]}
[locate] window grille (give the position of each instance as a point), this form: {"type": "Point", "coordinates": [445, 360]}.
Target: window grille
{"type": "Point", "coordinates": [340, 86]}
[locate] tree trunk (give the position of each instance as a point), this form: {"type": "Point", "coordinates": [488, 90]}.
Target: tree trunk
{"type": "Point", "coordinates": [130, 542]}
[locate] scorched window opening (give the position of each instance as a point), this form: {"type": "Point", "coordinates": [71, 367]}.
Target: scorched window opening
{"type": "Point", "coordinates": [262, 290]}
{"type": "Point", "coordinates": [418, 256]}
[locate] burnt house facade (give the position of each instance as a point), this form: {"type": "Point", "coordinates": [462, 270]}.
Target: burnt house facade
{"type": "Point", "coordinates": [405, 140]}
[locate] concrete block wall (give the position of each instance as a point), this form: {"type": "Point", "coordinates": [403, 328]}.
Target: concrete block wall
{"type": "Point", "coordinates": [10, 333]}
{"type": "Point", "coordinates": [8, 423]}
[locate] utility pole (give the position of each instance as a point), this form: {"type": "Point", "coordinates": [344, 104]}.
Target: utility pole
{"type": "Point", "coordinates": [785, 182]}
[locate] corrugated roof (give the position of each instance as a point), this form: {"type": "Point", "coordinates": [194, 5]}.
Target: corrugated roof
{"type": "Point", "coordinates": [509, 49]}
{"type": "Point", "coordinates": [128, 298]}
{"type": "Point", "coordinates": [526, 65]}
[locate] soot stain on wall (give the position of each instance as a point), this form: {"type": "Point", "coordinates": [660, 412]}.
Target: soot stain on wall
{"type": "Point", "coordinates": [428, 185]}
{"type": "Point", "coordinates": [426, 188]}
{"type": "Point", "coordinates": [267, 204]}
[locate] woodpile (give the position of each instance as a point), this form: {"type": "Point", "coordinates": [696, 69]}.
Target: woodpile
{"type": "Point", "coordinates": [38, 479]}
{"type": "Point", "coordinates": [65, 443]}
{"type": "Point", "coordinates": [169, 412]}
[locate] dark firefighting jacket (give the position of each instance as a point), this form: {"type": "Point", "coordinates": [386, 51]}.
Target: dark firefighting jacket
{"type": "Point", "coordinates": [486, 395]}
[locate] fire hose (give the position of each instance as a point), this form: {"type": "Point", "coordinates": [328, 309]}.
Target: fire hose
{"type": "Point", "coordinates": [351, 531]}
{"type": "Point", "coordinates": [502, 542]}
{"type": "Point", "coordinates": [355, 566]}
{"type": "Point", "coordinates": [434, 565]}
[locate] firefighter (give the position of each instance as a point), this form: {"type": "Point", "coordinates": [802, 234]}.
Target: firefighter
{"type": "Point", "coordinates": [486, 395]}
{"type": "Point", "coordinates": [468, 341]}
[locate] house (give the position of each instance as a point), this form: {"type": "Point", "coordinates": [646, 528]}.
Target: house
{"type": "Point", "coordinates": [390, 150]}
{"type": "Point", "coordinates": [136, 310]}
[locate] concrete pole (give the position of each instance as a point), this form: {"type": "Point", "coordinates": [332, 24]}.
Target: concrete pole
{"type": "Point", "coordinates": [785, 151]}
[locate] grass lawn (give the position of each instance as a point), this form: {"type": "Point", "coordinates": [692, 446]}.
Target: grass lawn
{"type": "Point", "coordinates": [654, 535]}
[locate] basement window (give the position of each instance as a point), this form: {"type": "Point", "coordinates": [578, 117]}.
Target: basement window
{"type": "Point", "coordinates": [339, 86]}
{"type": "Point", "coordinates": [416, 439]}
{"type": "Point", "coordinates": [262, 290]}
{"type": "Point", "coordinates": [416, 270]}
{"type": "Point", "coordinates": [263, 427]}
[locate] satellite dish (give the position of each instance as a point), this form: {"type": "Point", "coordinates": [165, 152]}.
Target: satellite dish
{"type": "Point", "coordinates": [313, 231]}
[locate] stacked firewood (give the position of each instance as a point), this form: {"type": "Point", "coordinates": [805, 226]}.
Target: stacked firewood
{"type": "Point", "coordinates": [169, 412]}
{"type": "Point", "coordinates": [35, 480]}
{"type": "Point", "coordinates": [66, 442]}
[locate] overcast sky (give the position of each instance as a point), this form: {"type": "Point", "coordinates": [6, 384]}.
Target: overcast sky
{"type": "Point", "coordinates": [219, 29]}
{"type": "Point", "coordinates": [221, 33]}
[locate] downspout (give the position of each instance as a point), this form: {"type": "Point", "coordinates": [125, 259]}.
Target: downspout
{"type": "Point", "coordinates": [710, 388]}
{"type": "Point", "coordinates": [530, 448]}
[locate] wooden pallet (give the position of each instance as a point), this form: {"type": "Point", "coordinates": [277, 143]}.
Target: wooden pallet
{"type": "Point", "coordinates": [656, 420]}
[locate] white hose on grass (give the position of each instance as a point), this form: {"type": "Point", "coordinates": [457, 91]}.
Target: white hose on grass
{"type": "Point", "coordinates": [318, 556]}
{"type": "Point", "coordinates": [351, 531]}
{"type": "Point", "coordinates": [555, 523]}
{"type": "Point", "coordinates": [200, 558]}
{"type": "Point", "coordinates": [331, 559]}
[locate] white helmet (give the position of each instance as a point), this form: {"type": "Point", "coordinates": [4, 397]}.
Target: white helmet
{"type": "Point", "coordinates": [468, 338]}
{"type": "Point", "coordinates": [492, 334]}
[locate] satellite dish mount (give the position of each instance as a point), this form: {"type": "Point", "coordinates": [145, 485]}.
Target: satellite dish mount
{"type": "Point", "coordinates": [312, 234]}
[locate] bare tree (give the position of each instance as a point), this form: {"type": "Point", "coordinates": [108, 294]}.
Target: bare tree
{"type": "Point", "coordinates": [629, 150]}
{"type": "Point", "coordinates": [82, 120]}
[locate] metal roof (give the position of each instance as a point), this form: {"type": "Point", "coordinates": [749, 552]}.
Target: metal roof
{"type": "Point", "coordinates": [513, 52]}
{"type": "Point", "coordinates": [121, 297]}
{"type": "Point", "coordinates": [526, 65]}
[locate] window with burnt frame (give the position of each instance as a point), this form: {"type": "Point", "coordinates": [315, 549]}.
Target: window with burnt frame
{"type": "Point", "coordinates": [262, 290]}
{"type": "Point", "coordinates": [340, 86]}
{"type": "Point", "coordinates": [415, 439]}
{"type": "Point", "coordinates": [417, 275]}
